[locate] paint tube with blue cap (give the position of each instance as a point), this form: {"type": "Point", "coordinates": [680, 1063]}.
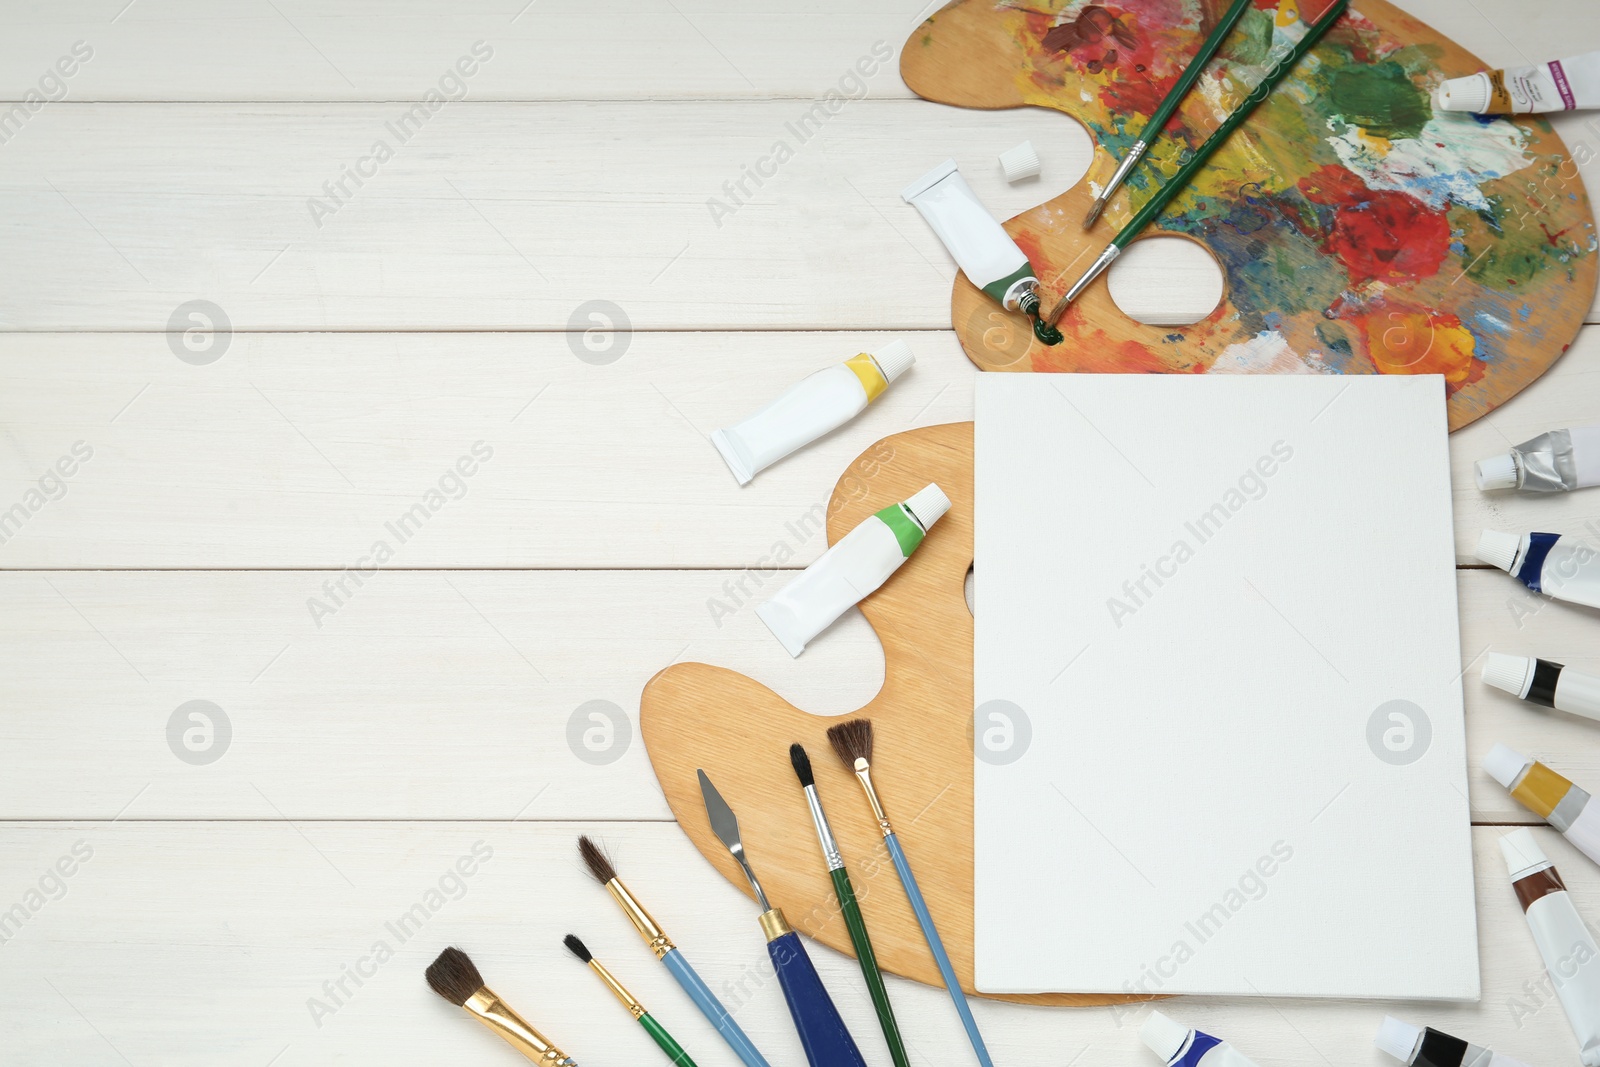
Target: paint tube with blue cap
{"type": "Point", "coordinates": [1553, 462]}
{"type": "Point", "coordinates": [1179, 1046]}
{"type": "Point", "coordinates": [1557, 566]}
{"type": "Point", "coordinates": [1418, 1047]}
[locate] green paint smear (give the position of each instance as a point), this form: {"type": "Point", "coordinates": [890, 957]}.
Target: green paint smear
{"type": "Point", "coordinates": [1519, 253]}
{"type": "Point", "coordinates": [1251, 40]}
{"type": "Point", "coordinates": [1380, 98]}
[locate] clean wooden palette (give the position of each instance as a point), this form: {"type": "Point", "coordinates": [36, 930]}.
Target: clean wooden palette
{"type": "Point", "coordinates": [1359, 231]}
{"type": "Point", "coordinates": [696, 716]}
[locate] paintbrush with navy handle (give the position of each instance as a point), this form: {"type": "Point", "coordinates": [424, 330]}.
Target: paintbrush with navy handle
{"type": "Point", "coordinates": [822, 1031]}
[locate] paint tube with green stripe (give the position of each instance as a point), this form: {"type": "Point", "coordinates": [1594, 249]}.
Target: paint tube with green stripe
{"type": "Point", "coordinates": [983, 250]}
{"type": "Point", "coordinates": [857, 565]}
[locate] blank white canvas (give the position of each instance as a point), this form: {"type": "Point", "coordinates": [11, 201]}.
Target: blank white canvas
{"type": "Point", "coordinates": [1219, 729]}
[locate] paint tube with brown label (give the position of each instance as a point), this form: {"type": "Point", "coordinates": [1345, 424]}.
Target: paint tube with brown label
{"type": "Point", "coordinates": [1559, 85]}
{"type": "Point", "coordinates": [1570, 955]}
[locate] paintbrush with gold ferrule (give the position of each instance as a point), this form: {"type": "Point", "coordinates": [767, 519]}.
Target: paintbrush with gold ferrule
{"type": "Point", "coordinates": [455, 978]}
{"type": "Point", "coordinates": [852, 742]}
{"type": "Point", "coordinates": [605, 873]}
{"type": "Point", "coordinates": [657, 1032]}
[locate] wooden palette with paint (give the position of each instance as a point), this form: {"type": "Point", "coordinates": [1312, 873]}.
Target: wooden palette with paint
{"type": "Point", "coordinates": [1359, 231]}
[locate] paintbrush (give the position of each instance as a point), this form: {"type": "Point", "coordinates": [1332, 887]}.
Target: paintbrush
{"type": "Point", "coordinates": [1180, 181]}
{"type": "Point", "coordinates": [1169, 104]}
{"type": "Point", "coordinates": [823, 1034]}
{"type": "Point", "coordinates": [845, 893]}
{"type": "Point", "coordinates": [657, 1032]}
{"type": "Point", "coordinates": [853, 742]}
{"type": "Point", "coordinates": [455, 978]}
{"type": "Point", "coordinates": [600, 866]}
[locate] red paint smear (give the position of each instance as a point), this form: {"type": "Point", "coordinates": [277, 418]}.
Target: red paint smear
{"type": "Point", "coordinates": [1553, 238]}
{"type": "Point", "coordinates": [1378, 234]}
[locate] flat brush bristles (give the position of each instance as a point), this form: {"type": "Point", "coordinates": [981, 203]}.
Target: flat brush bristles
{"type": "Point", "coordinates": [802, 765]}
{"type": "Point", "coordinates": [596, 860]}
{"type": "Point", "coordinates": [852, 741]}
{"type": "Point", "coordinates": [578, 948]}
{"type": "Point", "coordinates": [454, 976]}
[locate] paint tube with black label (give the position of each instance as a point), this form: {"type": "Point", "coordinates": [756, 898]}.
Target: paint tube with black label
{"type": "Point", "coordinates": [814, 406]}
{"type": "Point", "coordinates": [1179, 1046]}
{"type": "Point", "coordinates": [982, 249]}
{"type": "Point", "coordinates": [1548, 795]}
{"type": "Point", "coordinates": [856, 566]}
{"type": "Point", "coordinates": [1559, 85]}
{"type": "Point", "coordinates": [1562, 567]}
{"type": "Point", "coordinates": [1553, 462]}
{"type": "Point", "coordinates": [1543, 681]}
{"type": "Point", "coordinates": [1417, 1047]}
{"type": "Point", "coordinates": [1570, 955]}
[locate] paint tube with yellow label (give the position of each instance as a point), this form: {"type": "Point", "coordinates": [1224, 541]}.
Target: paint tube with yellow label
{"type": "Point", "coordinates": [1548, 795]}
{"type": "Point", "coordinates": [815, 406]}
{"type": "Point", "coordinates": [1559, 85]}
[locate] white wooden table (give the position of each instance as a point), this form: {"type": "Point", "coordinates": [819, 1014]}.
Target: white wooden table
{"type": "Point", "coordinates": [374, 336]}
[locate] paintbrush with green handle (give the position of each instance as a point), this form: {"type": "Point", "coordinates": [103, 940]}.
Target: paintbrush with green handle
{"type": "Point", "coordinates": [657, 1032]}
{"type": "Point", "coordinates": [1169, 105]}
{"type": "Point", "coordinates": [1180, 181]}
{"type": "Point", "coordinates": [846, 895]}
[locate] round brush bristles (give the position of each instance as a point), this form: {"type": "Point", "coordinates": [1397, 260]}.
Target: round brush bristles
{"type": "Point", "coordinates": [578, 948]}
{"type": "Point", "coordinates": [802, 765]}
{"type": "Point", "coordinates": [596, 860]}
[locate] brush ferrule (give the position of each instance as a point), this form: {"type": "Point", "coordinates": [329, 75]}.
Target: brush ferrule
{"type": "Point", "coordinates": [774, 925]}
{"type": "Point", "coordinates": [864, 775]}
{"type": "Point", "coordinates": [830, 847]}
{"type": "Point", "coordinates": [1125, 168]}
{"type": "Point", "coordinates": [653, 935]}
{"type": "Point", "coordinates": [617, 989]}
{"type": "Point", "coordinates": [1104, 260]}
{"type": "Point", "coordinates": [514, 1029]}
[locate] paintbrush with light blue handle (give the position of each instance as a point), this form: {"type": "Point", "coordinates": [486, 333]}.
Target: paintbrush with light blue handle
{"type": "Point", "coordinates": [852, 741]}
{"type": "Point", "coordinates": [600, 866]}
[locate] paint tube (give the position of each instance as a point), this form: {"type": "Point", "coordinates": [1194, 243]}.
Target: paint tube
{"type": "Point", "coordinates": [1549, 796]}
{"type": "Point", "coordinates": [982, 249]}
{"type": "Point", "coordinates": [1559, 85]}
{"type": "Point", "coordinates": [862, 560]}
{"type": "Point", "coordinates": [1553, 462]}
{"type": "Point", "coordinates": [1570, 955]}
{"type": "Point", "coordinates": [1543, 681]}
{"type": "Point", "coordinates": [1547, 563]}
{"type": "Point", "coordinates": [1179, 1046]}
{"type": "Point", "coordinates": [814, 406]}
{"type": "Point", "coordinates": [1433, 1048]}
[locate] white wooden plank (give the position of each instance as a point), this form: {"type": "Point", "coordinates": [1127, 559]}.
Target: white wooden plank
{"type": "Point", "coordinates": [294, 450]}
{"type": "Point", "coordinates": [204, 943]}
{"type": "Point", "coordinates": [383, 711]}
{"type": "Point", "coordinates": [498, 216]}
{"type": "Point", "coordinates": [373, 50]}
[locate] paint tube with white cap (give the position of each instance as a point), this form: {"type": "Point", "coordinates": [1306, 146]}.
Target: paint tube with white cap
{"type": "Point", "coordinates": [1553, 462]}
{"type": "Point", "coordinates": [982, 249]}
{"type": "Point", "coordinates": [857, 565]}
{"type": "Point", "coordinates": [1543, 681]}
{"type": "Point", "coordinates": [1548, 795]}
{"type": "Point", "coordinates": [1570, 955]}
{"type": "Point", "coordinates": [1559, 85]}
{"type": "Point", "coordinates": [1179, 1046]}
{"type": "Point", "coordinates": [816, 405]}
{"type": "Point", "coordinates": [1547, 563]}
{"type": "Point", "coordinates": [1417, 1047]}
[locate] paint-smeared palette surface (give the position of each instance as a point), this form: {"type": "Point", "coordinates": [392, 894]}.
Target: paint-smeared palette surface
{"type": "Point", "coordinates": [1359, 229]}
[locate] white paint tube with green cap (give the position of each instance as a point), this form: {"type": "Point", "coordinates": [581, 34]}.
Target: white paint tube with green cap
{"type": "Point", "coordinates": [982, 248]}
{"type": "Point", "coordinates": [862, 560]}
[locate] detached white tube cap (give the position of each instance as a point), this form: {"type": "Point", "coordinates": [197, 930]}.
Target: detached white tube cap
{"type": "Point", "coordinates": [1163, 1036]}
{"type": "Point", "coordinates": [1398, 1039]}
{"type": "Point", "coordinates": [1522, 852]}
{"type": "Point", "coordinates": [1504, 764]}
{"type": "Point", "coordinates": [894, 359]}
{"type": "Point", "coordinates": [1498, 548]}
{"type": "Point", "coordinates": [929, 505]}
{"type": "Point", "coordinates": [1497, 472]}
{"type": "Point", "coordinates": [1510, 673]}
{"type": "Point", "coordinates": [1020, 162]}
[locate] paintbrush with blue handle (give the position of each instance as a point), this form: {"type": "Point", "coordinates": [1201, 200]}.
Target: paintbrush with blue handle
{"type": "Point", "coordinates": [822, 1031]}
{"type": "Point", "coordinates": [852, 741]}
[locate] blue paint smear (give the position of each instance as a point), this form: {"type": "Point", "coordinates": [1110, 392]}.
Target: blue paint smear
{"type": "Point", "coordinates": [1492, 323]}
